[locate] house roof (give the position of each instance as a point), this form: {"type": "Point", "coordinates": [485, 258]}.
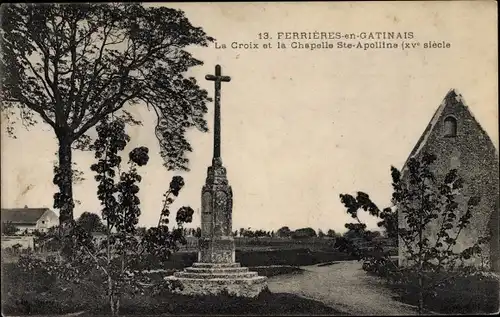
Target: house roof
{"type": "Point", "coordinates": [22, 215]}
{"type": "Point", "coordinates": [453, 97]}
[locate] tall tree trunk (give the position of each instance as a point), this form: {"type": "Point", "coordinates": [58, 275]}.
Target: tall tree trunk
{"type": "Point", "coordinates": [64, 180]}
{"type": "Point", "coordinates": [111, 298]}
{"type": "Point", "coordinates": [117, 309]}
{"type": "Point", "coordinates": [420, 253]}
{"type": "Point", "coordinates": [108, 261]}
{"type": "Point", "coordinates": [420, 295]}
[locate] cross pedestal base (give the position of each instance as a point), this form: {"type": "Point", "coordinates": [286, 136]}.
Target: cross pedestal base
{"type": "Point", "coordinates": [216, 278]}
{"type": "Point", "coordinates": [217, 250]}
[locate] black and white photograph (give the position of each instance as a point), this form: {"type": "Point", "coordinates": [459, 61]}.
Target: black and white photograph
{"type": "Point", "coordinates": [249, 158]}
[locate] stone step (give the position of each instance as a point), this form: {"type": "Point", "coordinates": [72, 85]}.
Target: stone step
{"type": "Point", "coordinates": [245, 287]}
{"type": "Point", "coordinates": [216, 270]}
{"type": "Point", "coordinates": [215, 265]}
{"type": "Point", "coordinates": [220, 281]}
{"type": "Point", "coordinates": [228, 276]}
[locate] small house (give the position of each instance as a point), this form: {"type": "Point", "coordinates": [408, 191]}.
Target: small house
{"type": "Point", "coordinates": [28, 220]}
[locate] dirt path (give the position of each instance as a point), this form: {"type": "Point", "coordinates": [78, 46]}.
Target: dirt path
{"type": "Point", "coordinates": [344, 286]}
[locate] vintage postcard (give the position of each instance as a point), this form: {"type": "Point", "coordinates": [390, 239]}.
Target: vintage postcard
{"type": "Point", "coordinates": [280, 158]}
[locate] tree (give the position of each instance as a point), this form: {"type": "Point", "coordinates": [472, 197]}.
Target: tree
{"type": "Point", "coordinates": [304, 233]}
{"type": "Point", "coordinates": [260, 233]}
{"type": "Point", "coordinates": [71, 65]}
{"type": "Point", "coordinates": [321, 234]}
{"type": "Point", "coordinates": [91, 222]}
{"type": "Point", "coordinates": [248, 233]}
{"type": "Point", "coordinates": [47, 240]}
{"type": "Point", "coordinates": [376, 234]}
{"type": "Point", "coordinates": [198, 232]}
{"type": "Point", "coordinates": [331, 233]}
{"type": "Point", "coordinates": [353, 234]}
{"type": "Point", "coordinates": [425, 202]}
{"type": "Point", "coordinates": [118, 257]}
{"type": "Point", "coordinates": [8, 228]}
{"type": "Point", "coordinates": [141, 231]}
{"type": "Point", "coordinates": [283, 232]}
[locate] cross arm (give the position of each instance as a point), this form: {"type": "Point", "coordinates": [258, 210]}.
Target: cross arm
{"type": "Point", "coordinates": [218, 78]}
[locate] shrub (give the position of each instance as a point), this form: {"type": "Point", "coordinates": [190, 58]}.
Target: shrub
{"type": "Point", "coordinates": [423, 201]}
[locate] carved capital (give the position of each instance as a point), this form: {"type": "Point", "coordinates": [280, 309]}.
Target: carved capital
{"type": "Point", "coordinates": [217, 162]}
{"type": "Point", "coordinates": [216, 175]}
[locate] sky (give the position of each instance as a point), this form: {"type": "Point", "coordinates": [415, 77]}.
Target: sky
{"type": "Point", "coordinates": [299, 127]}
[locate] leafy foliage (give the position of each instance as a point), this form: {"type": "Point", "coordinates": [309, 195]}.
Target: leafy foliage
{"type": "Point", "coordinates": [8, 228]}
{"type": "Point", "coordinates": [425, 203]}
{"type": "Point", "coordinates": [34, 293]}
{"type": "Point", "coordinates": [331, 233]}
{"type": "Point", "coordinates": [303, 233]}
{"type": "Point", "coordinates": [249, 233]}
{"type": "Point", "coordinates": [197, 233]}
{"type": "Point", "coordinates": [284, 232]}
{"type": "Point", "coordinates": [90, 222]}
{"type": "Point", "coordinates": [115, 258]}
{"type": "Point", "coordinates": [71, 65]}
{"type": "Point", "coordinates": [59, 176]}
{"type": "Point", "coordinates": [76, 173]}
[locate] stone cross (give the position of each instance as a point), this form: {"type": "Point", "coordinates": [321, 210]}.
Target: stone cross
{"type": "Point", "coordinates": [217, 78]}
{"type": "Point", "coordinates": [217, 270]}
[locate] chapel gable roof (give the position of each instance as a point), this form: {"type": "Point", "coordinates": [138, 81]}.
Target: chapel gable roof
{"type": "Point", "coordinates": [22, 215]}
{"type": "Point", "coordinates": [453, 100]}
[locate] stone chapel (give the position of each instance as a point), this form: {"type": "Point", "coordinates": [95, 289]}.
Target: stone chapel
{"type": "Point", "coordinates": [459, 142]}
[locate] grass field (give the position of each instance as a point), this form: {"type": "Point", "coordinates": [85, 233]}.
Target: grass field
{"type": "Point", "coordinates": [284, 243]}
{"type": "Point", "coordinates": [267, 256]}
{"type": "Point", "coordinates": [254, 252]}
{"type": "Point", "coordinates": [39, 294]}
{"type": "Point", "coordinates": [267, 243]}
{"type": "Point", "coordinates": [252, 258]}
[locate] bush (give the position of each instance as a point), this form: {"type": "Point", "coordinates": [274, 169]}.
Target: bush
{"type": "Point", "coordinates": [476, 293]}
{"type": "Point", "coordinates": [471, 294]}
{"type": "Point", "coordinates": [38, 292]}
{"type": "Point", "coordinates": [64, 298]}
{"type": "Point", "coordinates": [432, 219]}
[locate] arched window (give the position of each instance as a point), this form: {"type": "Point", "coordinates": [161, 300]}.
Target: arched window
{"type": "Point", "coordinates": [450, 127]}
